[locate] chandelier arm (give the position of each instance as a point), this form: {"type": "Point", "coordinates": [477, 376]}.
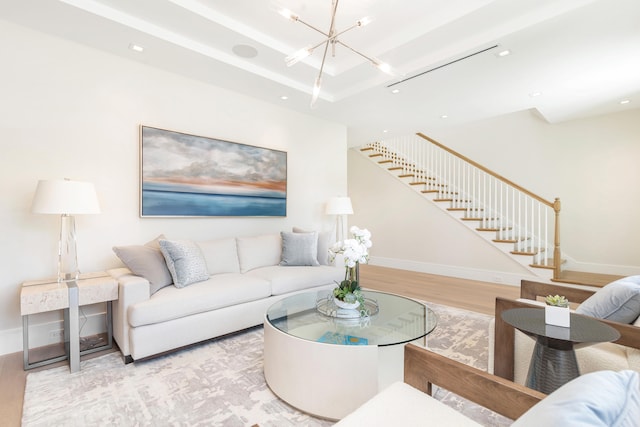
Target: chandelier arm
{"type": "Point", "coordinates": [312, 27]}
{"type": "Point", "coordinates": [373, 61]}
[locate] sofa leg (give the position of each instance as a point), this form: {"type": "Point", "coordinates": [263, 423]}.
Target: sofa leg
{"type": "Point", "coordinates": [128, 359]}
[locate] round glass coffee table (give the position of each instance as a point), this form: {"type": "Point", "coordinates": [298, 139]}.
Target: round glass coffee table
{"type": "Point", "coordinates": [327, 362]}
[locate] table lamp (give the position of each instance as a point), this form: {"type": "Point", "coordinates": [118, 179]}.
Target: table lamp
{"type": "Point", "coordinates": [66, 198]}
{"type": "Point", "coordinates": [340, 206]}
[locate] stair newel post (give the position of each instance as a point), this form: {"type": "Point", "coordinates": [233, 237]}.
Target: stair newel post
{"type": "Point", "coordinates": [557, 256]}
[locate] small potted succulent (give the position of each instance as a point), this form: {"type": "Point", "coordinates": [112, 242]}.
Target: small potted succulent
{"type": "Point", "coordinates": [556, 311]}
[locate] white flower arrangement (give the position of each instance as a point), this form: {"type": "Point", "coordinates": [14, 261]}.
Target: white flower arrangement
{"type": "Point", "coordinates": [355, 250]}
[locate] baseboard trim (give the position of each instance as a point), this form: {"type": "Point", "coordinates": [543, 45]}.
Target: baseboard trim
{"type": "Point", "coordinates": [499, 277]}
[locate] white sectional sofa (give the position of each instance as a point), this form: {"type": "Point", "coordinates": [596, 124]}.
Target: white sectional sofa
{"type": "Point", "coordinates": [161, 310]}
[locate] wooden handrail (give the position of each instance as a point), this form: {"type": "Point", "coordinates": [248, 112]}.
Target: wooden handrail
{"type": "Point", "coordinates": [489, 171]}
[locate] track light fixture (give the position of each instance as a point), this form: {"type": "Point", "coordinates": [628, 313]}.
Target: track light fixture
{"type": "Point", "coordinates": [331, 39]}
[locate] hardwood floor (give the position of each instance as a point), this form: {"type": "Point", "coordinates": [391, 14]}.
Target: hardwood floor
{"type": "Point", "coordinates": [465, 294]}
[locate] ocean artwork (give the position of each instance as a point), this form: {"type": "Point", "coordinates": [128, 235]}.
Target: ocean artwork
{"type": "Point", "coordinates": [188, 175]}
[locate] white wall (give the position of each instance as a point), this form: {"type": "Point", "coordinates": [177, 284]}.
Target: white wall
{"type": "Point", "coordinates": [590, 164]}
{"type": "Point", "coordinates": [70, 111]}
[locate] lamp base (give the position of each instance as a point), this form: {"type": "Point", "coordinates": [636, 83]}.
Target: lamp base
{"type": "Point", "coordinates": [67, 250]}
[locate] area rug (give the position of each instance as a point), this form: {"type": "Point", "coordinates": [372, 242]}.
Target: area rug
{"type": "Point", "coordinates": [217, 383]}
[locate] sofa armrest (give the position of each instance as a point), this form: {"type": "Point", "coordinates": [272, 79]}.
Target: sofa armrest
{"type": "Point", "coordinates": [131, 290]}
{"type": "Point", "coordinates": [422, 368]}
{"type": "Point", "coordinates": [532, 290]}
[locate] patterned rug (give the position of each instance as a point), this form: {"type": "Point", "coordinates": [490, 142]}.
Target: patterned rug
{"type": "Point", "coordinates": [219, 383]}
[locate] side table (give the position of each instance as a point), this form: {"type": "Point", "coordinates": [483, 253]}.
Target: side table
{"type": "Point", "coordinates": [553, 361]}
{"type": "Point", "coordinates": [47, 295]}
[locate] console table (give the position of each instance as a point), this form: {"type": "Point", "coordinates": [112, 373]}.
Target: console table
{"type": "Point", "coordinates": [553, 361]}
{"type": "Point", "coordinates": [48, 295]}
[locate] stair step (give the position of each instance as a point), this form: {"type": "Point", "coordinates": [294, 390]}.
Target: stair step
{"type": "Point", "coordinates": [430, 191]}
{"type": "Point", "coordinates": [418, 183]}
{"type": "Point", "coordinates": [478, 218]}
{"type": "Point", "coordinates": [395, 168]}
{"type": "Point", "coordinates": [585, 278]}
{"type": "Point", "coordinates": [549, 267]}
{"type": "Point", "coordinates": [385, 161]}
{"type": "Point", "coordinates": [525, 252]}
{"type": "Point", "coordinates": [375, 155]}
{"type": "Point", "coordinates": [367, 149]}
{"type": "Point", "coordinates": [506, 240]}
{"type": "Point", "coordinates": [406, 175]}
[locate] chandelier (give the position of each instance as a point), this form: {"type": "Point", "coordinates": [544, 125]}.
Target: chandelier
{"type": "Point", "coordinates": [331, 39]}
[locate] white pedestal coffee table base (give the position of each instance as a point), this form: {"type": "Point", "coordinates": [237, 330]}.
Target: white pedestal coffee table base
{"type": "Point", "coordinates": [327, 380]}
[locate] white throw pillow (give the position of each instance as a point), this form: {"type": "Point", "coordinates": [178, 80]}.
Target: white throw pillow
{"type": "Point", "coordinates": [185, 262]}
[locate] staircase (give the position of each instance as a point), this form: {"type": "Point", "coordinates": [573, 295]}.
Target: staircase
{"type": "Point", "coordinates": [518, 222]}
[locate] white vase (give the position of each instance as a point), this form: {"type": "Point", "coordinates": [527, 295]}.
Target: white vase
{"type": "Point", "coordinates": [558, 316]}
{"type": "Point", "coordinates": [346, 305]}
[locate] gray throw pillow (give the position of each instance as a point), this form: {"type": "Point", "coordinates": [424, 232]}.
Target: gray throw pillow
{"type": "Point", "coordinates": [185, 262]}
{"type": "Point", "coordinates": [299, 248]}
{"type": "Point", "coordinates": [618, 301]}
{"type": "Point", "coordinates": [323, 244]}
{"type": "Point", "coordinates": [146, 261]}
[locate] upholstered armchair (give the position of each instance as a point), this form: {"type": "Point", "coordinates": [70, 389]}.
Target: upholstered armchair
{"type": "Point", "coordinates": [510, 350]}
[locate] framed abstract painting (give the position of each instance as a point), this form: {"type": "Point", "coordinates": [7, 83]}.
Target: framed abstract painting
{"type": "Point", "coordinates": [195, 176]}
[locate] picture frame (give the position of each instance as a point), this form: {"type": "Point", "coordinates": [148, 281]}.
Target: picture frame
{"type": "Point", "coordinates": [183, 175]}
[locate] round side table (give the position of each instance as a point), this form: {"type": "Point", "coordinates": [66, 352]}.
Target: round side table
{"type": "Point", "coordinates": [553, 361]}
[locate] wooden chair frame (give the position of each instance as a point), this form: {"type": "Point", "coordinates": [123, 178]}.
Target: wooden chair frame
{"type": "Point", "coordinates": [422, 368]}
{"type": "Point", "coordinates": [505, 333]}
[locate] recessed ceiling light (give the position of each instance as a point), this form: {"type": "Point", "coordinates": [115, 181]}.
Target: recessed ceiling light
{"type": "Point", "coordinates": [444, 116]}
{"type": "Point", "coordinates": [625, 101]}
{"type": "Point", "coordinates": [136, 47]}
{"type": "Point", "coordinates": [534, 94]}
{"type": "Point", "coordinates": [284, 97]}
{"type": "Point", "coordinates": [395, 91]}
{"type": "Point", "coordinates": [245, 51]}
{"type": "Point", "coordinates": [385, 131]}
{"type": "Point", "coordinates": [503, 53]}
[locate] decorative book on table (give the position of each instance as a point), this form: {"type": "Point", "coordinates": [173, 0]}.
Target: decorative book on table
{"type": "Point", "coordinates": [338, 338]}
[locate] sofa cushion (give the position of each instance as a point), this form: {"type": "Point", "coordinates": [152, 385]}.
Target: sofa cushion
{"type": "Point", "coordinates": [603, 398]}
{"type": "Point", "coordinates": [290, 279]}
{"type": "Point", "coordinates": [618, 301]}
{"type": "Point", "coordinates": [220, 255]}
{"type": "Point", "coordinates": [402, 405]}
{"type": "Point", "coordinates": [299, 248]}
{"type": "Point", "coordinates": [146, 261]}
{"type": "Point", "coordinates": [219, 291]}
{"type": "Point", "coordinates": [324, 242]}
{"type": "Point", "coordinates": [185, 262]}
{"type": "Point", "coordinates": [259, 251]}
